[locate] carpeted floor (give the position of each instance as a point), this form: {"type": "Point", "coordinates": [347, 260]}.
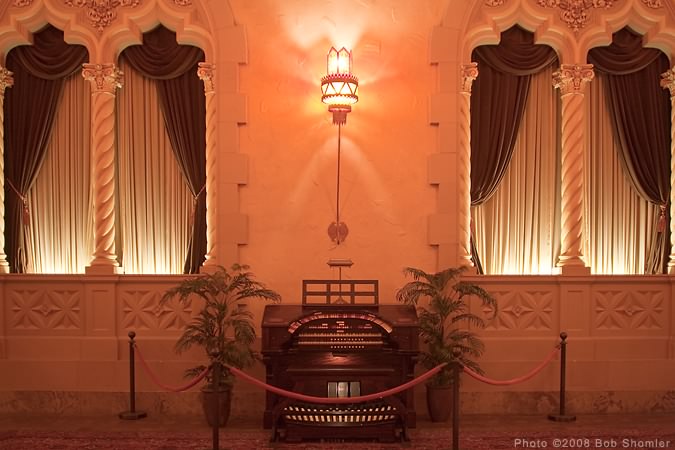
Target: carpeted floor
{"type": "Point", "coordinates": [428, 439]}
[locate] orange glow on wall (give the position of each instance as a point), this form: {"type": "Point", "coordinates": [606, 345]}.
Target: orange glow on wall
{"type": "Point", "coordinates": [339, 88]}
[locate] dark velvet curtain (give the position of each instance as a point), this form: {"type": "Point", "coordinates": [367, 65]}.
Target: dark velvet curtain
{"type": "Point", "coordinates": [183, 105]}
{"type": "Point", "coordinates": [498, 99]}
{"type": "Point", "coordinates": [30, 108]}
{"type": "Point", "coordinates": [640, 115]}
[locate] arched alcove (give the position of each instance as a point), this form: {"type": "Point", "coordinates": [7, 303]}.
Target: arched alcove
{"type": "Point", "coordinates": [21, 19]}
{"type": "Point", "coordinates": [208, 26]}
{"type": "Point", "coordinates": [465, 26]}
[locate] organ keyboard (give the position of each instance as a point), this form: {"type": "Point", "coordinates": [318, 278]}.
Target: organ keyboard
{"type": "Point", "coordinates": [340, 346]}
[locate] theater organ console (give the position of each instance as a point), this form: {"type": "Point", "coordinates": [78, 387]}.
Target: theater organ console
{"type": "Point", "coordinates": [340, 342]}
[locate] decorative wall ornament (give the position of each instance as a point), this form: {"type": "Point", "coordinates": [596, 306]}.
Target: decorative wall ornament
{"type": "Point", "coordinates": [469, 73]}
{"type": "Point", "coordinates": [575, 12]}
{"type": "Point", "coordinates": [668, 81]}
{"type": "Point", "coordinates": [21, 3]}
{"type": "Point", "coordinates": [40, 309]}
{"type": "Point", "coordinates": [206, 73]}
{"type": "Point", "coordinates": [141, 310]}
{"type": "Point", "coordinates": [494, 2]}
{"type": "Point", "coordinates": [523, 310]}
{"type": "Point", "coordinates": [106, 77]}
{"type": "Point", "coordinates": [101, 13]}
{"type": "Point", "coordinates": [629, 310]}
{"type": "Point", "coordinates": [183, 2]}
{"type": "Point", "coordinates": [653, 3]}
{"type": "Point", "coordinates": [6, 79]}
{"type": "Point", "coordinates": [572, 78]}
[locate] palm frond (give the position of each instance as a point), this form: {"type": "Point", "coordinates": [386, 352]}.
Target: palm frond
{"type": "Point", "coordinates": [444, 318]}
{"type": "Point", "coordinates": [223, 326]}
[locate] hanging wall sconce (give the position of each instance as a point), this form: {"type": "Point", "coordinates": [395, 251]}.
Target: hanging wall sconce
{"type": "Point", "coordinates": [339, 90]}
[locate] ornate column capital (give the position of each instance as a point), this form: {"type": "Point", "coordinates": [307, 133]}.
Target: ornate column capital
{"type": "Point", "coordinates": [6, 79]}
{"type": "Point", "coordinates": [572, 78]}
{"type": "Point", "coordinates": [104, 77]}
{"type": "Point", "coordinates": [469, 72]}
{"type": "Point", "coordinates": [206, 73]}
{"type": "Point", "coordinates": [668, 81]}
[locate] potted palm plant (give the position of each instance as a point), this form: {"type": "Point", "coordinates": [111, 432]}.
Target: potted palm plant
{"type": "Point", "coordinates": [223, 328]}
{"type": "Point", "coordinates": [445, 322]}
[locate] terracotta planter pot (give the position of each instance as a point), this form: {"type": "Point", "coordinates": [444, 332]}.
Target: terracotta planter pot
{"type": "Point", "coordinates": [213, 401]}
{"type": "Point", "coordinates": [439, 403]}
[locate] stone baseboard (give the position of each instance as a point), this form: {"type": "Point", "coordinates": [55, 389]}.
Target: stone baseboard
{"type": "Point", "coordinates": [248, 404]}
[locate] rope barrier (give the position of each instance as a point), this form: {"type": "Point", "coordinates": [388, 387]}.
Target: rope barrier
{"type": "Point", "coordinates": [156, 380]}
{"type": "Point", "coordinates": [525, 377]}
{"type": "Point", "coordinates": [336, 400]}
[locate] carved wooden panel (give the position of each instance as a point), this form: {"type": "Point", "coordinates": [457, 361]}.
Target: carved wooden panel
{"type": "Point", "coordinates": [37, 309]}
{"type": "Point", "coordinates": [141, 310]}
{"type": "Point", "coordinates": [629, 309]}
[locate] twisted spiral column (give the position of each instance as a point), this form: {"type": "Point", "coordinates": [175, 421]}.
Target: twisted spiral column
{"type": "Point", "coordinates": [469, 72]}
{"type": "Point", "coordinates": [105, 79]}
{"type": "Point", "coordinates": [206, 73]}
{"type": "Point", "coordinates": [668, 82]}
{"type": "Point", "coordinates": [571, 80]}
{"type": "Point", "coordinates": [6, 81]}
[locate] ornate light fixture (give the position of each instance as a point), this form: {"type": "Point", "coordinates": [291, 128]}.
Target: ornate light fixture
{"type": "Point", "coordinates": [339, 89]}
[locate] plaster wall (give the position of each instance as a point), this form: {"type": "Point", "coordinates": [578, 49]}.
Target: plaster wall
{"type": "Point", "coordinates": [292, 144]}
{"type": "Point", "coordinates": [63, 338]}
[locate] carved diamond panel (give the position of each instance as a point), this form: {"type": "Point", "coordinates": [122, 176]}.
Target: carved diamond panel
{"type": "Point", "coordinates": [141, 310]}
{"type": "Point", "coordinates": [629, 310]}
{"type": "Point", "coordinates": [33, 309]}
{"type": "Point", "coordinates": [525, 310]}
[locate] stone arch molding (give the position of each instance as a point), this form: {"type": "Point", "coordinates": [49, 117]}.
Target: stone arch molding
{"type": "Point", "coordinates": [105, 29]}
{"type": "Point", "coordinates": [571, 32]}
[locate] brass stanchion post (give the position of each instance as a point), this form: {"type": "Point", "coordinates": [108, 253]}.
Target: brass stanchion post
{"type": "Point", "coordinates": [132, 414]}
{"type": "Point", "coordinates": [562, 417]}
{"type": "Point", "coordinates": [456, 368]}
{"type": "Point", "coordinates": [217, 369]}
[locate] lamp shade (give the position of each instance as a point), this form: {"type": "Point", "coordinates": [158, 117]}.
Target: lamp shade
{"type": "Point", "coordinates": [339, 88]}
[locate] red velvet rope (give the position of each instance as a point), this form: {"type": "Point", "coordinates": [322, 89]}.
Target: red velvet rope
{"type": "Point", "coordinates": [525, 377]}
{"type": "Point", "coordinates": [335, 400]}
{"type": "Point", "coordinates": [156, 380]}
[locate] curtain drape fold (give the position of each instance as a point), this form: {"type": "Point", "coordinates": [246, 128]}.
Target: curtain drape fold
{"type": "Point", "coordinates": [518, 228]}
{"type": "Point", "coordinates": [183, 106]}
{"type": "Point", "coordinates": [618, 222]}
{"type": "Point", "coordinates": [61, 202]}
{"type": "Point", "coordinates": [498, 101]}
{"type": "Point", "coordinates": [30, 108]}
{"type": "Point", "coordinates": [640, 113]}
